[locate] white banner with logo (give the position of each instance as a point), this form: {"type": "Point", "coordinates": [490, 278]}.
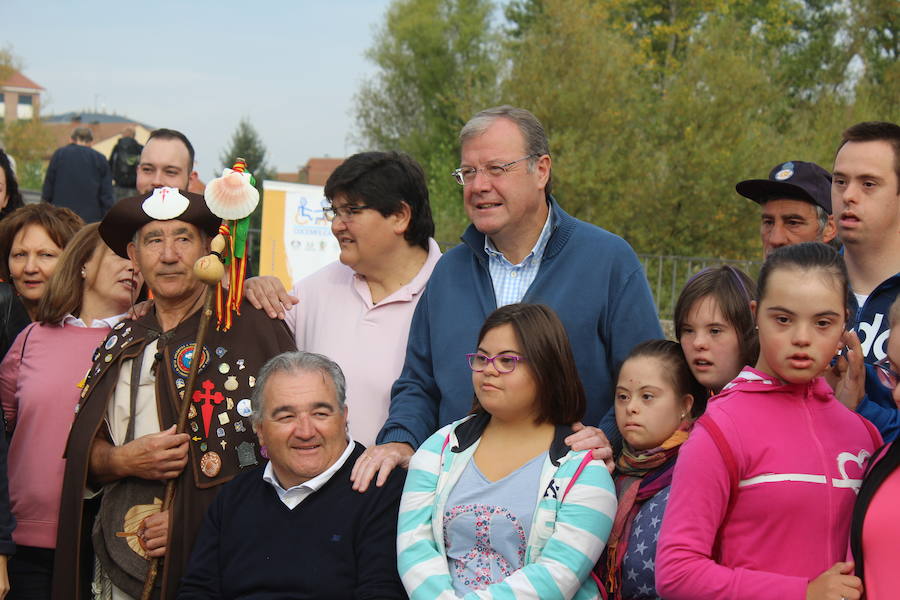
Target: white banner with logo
{"type": "Point", "coordinates": [307, 240]}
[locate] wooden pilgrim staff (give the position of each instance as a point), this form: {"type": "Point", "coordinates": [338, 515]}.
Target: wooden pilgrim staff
{"type": "Point", "coordinates": [232, 197]}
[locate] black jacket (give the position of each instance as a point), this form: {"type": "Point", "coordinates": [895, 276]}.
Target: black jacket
{"type": "Point", "coordinates": [13, 315]}
{"type": "Point", "coordinates": [78, 178]}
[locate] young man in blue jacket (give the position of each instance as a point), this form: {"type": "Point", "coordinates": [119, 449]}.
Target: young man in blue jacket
{"type": "Point", "coordinates": [865, 195]}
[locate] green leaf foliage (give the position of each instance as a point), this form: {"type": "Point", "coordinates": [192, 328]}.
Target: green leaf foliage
{"type": "Point", "coordinates": [246, 144]}
{"type": "Point", "coordinates": [654, 109]}
{"type": "Point", "coordinates": [438, 64]}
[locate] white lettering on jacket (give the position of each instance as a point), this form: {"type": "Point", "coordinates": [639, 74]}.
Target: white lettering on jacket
{"type": "Point", "coordinates": [869, 338]}
{"type": "Point", "coordinates": [844, 481]}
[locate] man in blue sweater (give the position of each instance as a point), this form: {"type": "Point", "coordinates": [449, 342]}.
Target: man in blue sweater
{"type": "Point", "coordinates": [865, 194]}
{"type": "Point", "coordinates": [295, 529]}
{"type": "Point", "coordinates": [520, 247]}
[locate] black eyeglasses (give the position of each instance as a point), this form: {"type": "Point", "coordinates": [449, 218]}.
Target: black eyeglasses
{"type": "Point", "coordinates": [886, 375]}
{"type": "Point", "coordinates": [466, 175]}
{"type": "Point", "coordinates": [504, 363]}
{"type": "Point", "coordinates": [346, 212]}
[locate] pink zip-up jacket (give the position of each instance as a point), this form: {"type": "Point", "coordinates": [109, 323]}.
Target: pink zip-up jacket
{"type": "Point", "coordinates": [800, 457]}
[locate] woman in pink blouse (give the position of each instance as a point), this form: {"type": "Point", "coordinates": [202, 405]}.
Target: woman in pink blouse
{"type": "Point", "coordinates": [40, 384]}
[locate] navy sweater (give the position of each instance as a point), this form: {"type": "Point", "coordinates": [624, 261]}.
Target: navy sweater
{"type": "Point", "coordinates": [337, 543]}
{"type": "Point", "coordinates": [78, 177]}
{"type": "Point", "coordinates": [872, 327]}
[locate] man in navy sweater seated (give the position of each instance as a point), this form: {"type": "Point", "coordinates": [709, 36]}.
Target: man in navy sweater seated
{"type": "Point", "coordinates": [295, 528]}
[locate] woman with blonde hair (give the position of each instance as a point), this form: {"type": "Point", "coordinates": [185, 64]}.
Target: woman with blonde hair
{"type": "Point", "coordinates": [40, 383]}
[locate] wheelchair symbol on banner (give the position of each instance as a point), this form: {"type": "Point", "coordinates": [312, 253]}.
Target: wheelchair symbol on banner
{"type": "Point", "coordinates": [309, 216]}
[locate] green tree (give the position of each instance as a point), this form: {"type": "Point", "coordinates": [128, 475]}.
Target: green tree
{"type": "Point", "coordinates": [28, 141]}
{"type": "Point", "coordinates": [246, 144]}
{"type": "Point", "coordinates": [654, 163]}
{"type": "Point", "coordinates": [876, 37]}
{"type": "Point", "coordinates": [709, 130]}
{"type": "Point", "coordinates": [438, 63]}
{"type": "Point", "coordinates": [9, 64]}
{"type": "Point", "coordinates": [581, 78]}
{"type": "Point", "coordinates": [654, 108]}
{"type": "Point", "coordinates": [824, 47]}
{"type": "Point", "coordinates": [522, 15]}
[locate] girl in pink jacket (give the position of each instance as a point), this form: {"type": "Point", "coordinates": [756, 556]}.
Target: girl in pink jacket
{"type": "Point", "coordinates": [763, 490]}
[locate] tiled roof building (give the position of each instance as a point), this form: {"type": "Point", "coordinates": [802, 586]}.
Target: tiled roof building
{"type": "Point", "coordinates": [20, 98]}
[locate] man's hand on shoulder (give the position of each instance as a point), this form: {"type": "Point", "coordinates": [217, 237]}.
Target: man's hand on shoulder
{"type": "Point", "coordinates": [140, 309]}
{"type": "Point", "coordinates": [267, 293]}
{"type": "Point", "coordinates": [591, 438]}
{"type": "Point", "coordinates": [380, 460]}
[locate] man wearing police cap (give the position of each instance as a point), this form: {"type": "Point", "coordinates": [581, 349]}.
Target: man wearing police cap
{"type": "Point", "coordinates": [123, 446]}
{"type": "Point", "coordinates": [795, 204]}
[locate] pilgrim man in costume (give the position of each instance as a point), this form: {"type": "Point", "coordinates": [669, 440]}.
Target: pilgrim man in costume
{"type": "Point", "coordinates": [123, 446]}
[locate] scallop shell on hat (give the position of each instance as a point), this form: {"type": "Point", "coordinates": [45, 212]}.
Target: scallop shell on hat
{"type": "Point", "coordinates": [231, 196]}
{"type": "Point", "coordinates": [165, 203]}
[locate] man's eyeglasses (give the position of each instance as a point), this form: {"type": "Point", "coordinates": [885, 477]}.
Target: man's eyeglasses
{"type": "Point", "coordinates": [504, 363]}
{"type": "Point", "coordinates": [886, 375]}
{"type": "Point", "coordinates": [346, 212]}
{"type": "Point", "coordinates": [466, 175]}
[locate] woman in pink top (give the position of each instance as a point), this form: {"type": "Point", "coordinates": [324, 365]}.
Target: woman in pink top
{"type": "Point", "coordinates": [763, 490]}
{"type": "Point", "coordinates": [875, 529]}
{"type": "Point", "coordinates": [40, 381]}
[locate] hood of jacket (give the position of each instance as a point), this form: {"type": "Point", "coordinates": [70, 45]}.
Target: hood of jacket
{"type": "Point", "coordinates": [753, 380]}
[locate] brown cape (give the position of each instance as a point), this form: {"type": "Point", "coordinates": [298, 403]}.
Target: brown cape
{"type": "Point", "coordinates": [232, 357]}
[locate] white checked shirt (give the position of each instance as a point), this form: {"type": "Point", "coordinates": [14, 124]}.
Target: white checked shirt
{"type": "Point", "coordinates": [512, 281]}
{"type": "Point", "coordinates": [110, 322]}
{"type": "Point", "coordinates": [291, 497]}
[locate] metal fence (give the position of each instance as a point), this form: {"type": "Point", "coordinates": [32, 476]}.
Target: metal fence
{"type": "Point", "coordinates": [668, 274]}
{"type": "Point", "coordinates": [665, 274]}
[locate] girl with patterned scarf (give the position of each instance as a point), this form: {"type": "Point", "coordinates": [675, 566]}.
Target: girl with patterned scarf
{"type": "Point", "coordinates": [657, 399]}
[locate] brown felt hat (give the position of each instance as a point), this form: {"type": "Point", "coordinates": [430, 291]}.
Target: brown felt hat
{"type": "Point", "coordinates": [128, 215]}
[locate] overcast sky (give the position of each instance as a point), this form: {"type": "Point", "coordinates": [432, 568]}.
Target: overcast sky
{"type": "Point", "coordinates": [291, 66]}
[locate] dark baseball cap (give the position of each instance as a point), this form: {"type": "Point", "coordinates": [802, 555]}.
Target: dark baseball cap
{"type": "Point", "coordinates": [791, 180]}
